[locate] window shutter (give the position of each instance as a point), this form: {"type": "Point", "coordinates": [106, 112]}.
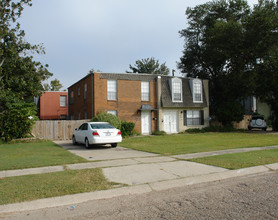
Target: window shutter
{"type": "Point", "coordinates": [185, 117]}
{"type": "Point", "coordinates": [202, 117]}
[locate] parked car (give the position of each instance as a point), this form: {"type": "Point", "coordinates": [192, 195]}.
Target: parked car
{"type": "Point", "coordinates": [99, 133]}
{"type": "Point", "coordinates": [258, 122]}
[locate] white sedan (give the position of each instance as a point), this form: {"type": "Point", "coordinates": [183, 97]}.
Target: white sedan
{"type": "Point", "coordinates": [96, 133]}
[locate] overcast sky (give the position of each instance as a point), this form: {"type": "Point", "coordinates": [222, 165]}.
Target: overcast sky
{"type": "Point", "coordinates": [108, 35]}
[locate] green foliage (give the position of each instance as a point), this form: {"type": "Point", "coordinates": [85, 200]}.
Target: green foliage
{"type": "Point", "coordinates": [107, 117]}
{"type": "Point", "coordinates": [227, 128]}
{"type": "Point", "coordinates": [127, 128]}
{"type": "Point", "coordinates": [227, 112]}
{"type": "Point", "coordinates": [159, 133]}
{"type": "Point", "coordinates": [235, 47]}
{"type": "Point", "coordinates": [20, 76]}
{"type": "Point", "coordinates": [149, 65]}
{"type": "Point", "coordinates": [55, 85]}
{"type": "Point", "coordinates": [17, 120]}
{"type": "Point", "coordinates": [194, 130]}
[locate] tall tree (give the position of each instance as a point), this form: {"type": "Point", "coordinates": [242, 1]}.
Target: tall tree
{"type": "Point", "coordinates": [216, 48]}
{"type": "Point", "coordinates": [262, 30]}
{"type": "Point", "coordinates": [150, 66]}
{"type": "Point", "coordinates": [21, 76]}
{"type": "Point", "coordinates": [55, 85]}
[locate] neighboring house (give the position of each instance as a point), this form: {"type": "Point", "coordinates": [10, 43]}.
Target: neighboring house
{"type": "Point", "coordinates": [53, 106]}
{"type": "Point", "coordinates": [253, 105]}
{"type": "Point", "coordinates": [152, 102]}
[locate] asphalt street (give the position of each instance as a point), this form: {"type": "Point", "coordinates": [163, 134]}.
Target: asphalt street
{"type": "Point", "coordinates": [246, 197]}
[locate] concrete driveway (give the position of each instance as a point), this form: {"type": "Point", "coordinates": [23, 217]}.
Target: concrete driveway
{"type": "Point", "coordinates": [140, 168]}
{"type": "Point", "coordinates": [99, 152]}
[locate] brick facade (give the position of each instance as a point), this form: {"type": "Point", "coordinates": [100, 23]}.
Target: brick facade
{"type": "Point", "coordinates": [50, 108]}
{"type": "Point", "coordinates": [159, 113]}
{"type": "Point", "coordinates": [127, 105]}
{"type": "Point", "coordinates": [80, 105]}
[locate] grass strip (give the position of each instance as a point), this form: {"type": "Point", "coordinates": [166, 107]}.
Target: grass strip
{"type": "Point", "coordinates": [39, 153]}
{"type": "Point", "coordinates": [32, 187]}
{"type": "Point", "coordinates": [241, 160]}
{"type": "Point", "coordinates": [194, 143]}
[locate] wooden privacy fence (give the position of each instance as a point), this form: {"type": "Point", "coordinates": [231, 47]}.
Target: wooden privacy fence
{"type": "Point", "coordinates": [56, 130]}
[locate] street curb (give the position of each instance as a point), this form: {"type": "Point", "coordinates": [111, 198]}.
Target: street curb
{"type": "Point", "coordinates": [133, 190]}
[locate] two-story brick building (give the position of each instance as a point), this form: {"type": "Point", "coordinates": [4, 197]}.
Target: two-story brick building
{"type": "Point", "coordinates": [53, 105]}
{"type": "Point", "coordinates": [152, 102]}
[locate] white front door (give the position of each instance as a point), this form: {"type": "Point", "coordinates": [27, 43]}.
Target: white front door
{"type": "Point", "coordinates": [146, 122]}
{"type": "Point", "coordinates": [170, 121]}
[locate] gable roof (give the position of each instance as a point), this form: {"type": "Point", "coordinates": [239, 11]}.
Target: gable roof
{"type": "Point", "coordinates": [129, 76]}
{"type": "Point", "coordinates": [166, 97]}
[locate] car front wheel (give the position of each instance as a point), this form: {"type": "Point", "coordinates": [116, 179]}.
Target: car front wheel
{"type": "Point", "coordinates": [87, 144]}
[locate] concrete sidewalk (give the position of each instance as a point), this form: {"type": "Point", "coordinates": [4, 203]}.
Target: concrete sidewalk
{"type": "Point", "coordinates": [144, 172]}
{"type": "Point", "coordinates": [70, 200]}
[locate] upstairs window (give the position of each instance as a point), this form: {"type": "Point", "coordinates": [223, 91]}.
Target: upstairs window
{"type": "Point", "coordinates": [111, 90]}
{"type": "Point", "coordinates": [85, 91]}
{"type": "Point", "coordinates": [78, 91]}
{"type": "Point", "coordinates": [63, 101]}
{"type": "Point", "coordinates": [197, 91]}
{"type": "Point", "coordinates": [176, 90]}
{"type": "Point", "coordinates": [71, 97]}
{"type": "Point", "coordinates": [145, 91]}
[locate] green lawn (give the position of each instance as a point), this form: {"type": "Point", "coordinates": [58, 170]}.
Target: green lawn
{"type": "Point", "coordinates": [35, 154]}
{"type": "Point", "coordinates": [241, 160]}
{"type": "Point", "coordinates": [32, 187]}
{"type": "Point", "coordinates": [193, 143]}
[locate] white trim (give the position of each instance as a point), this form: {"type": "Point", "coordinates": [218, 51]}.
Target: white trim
{"type": "Point", "coordinates": [176, 82]}
{"type": "Point", "coordinates": [146, 122]}
{"type": "Point", "coordinates": [145, 89]}
{"type": "Point", "coordinates": [200, 90]}
{"type": "Point", "coordinates": [112, 90]}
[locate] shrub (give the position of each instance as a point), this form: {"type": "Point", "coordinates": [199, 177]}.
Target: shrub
{"type": "Point", "coordinates": [17, 120]}
{"type": "Point", "coordinates": [227, 128]}
{"type": "Point", "coordinates": [195, 130]}
{"type": "Point", "coordinates": [159, 133]}
{"type": "Point", "coordinates": [230, 111]}
{"type": "Point", "coordinates": [127, 128]}
{"type": "Point", "coordinates": [107, 117]}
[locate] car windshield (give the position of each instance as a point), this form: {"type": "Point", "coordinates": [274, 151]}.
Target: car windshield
{"type": "Point", "coordinates": [101, 126]}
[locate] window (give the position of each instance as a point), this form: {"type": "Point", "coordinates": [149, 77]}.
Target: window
{"type": "Point", "coordinates": [79, 115]}
{"type": "Point", "coordinates": [63, 117]}
{"type": "Point", "coordinates": [85, 115]}
{"type": "Point", "coordinates": [193, 117]}
{"type": "Point", "coordinates": [85, 91]}
{"type": "Point", "coordinates": [63, 101]}
{"type": "Point", "coordinates": [145, 91]}
{"type": "Point", "coordinates": [176, 87]}
{"type": "Point", "coordinates": [113, 112]}
{"type": "Point", "coordinates": [111, 90]}
{"type": "Point", "coordinates": [71, 97]}
{"type": "Point", "coordinates": [72, 117]}
{"type": "Point", "coordinates": [197, 91]}
{"type": "Point", "coordinates": [78, 91]}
